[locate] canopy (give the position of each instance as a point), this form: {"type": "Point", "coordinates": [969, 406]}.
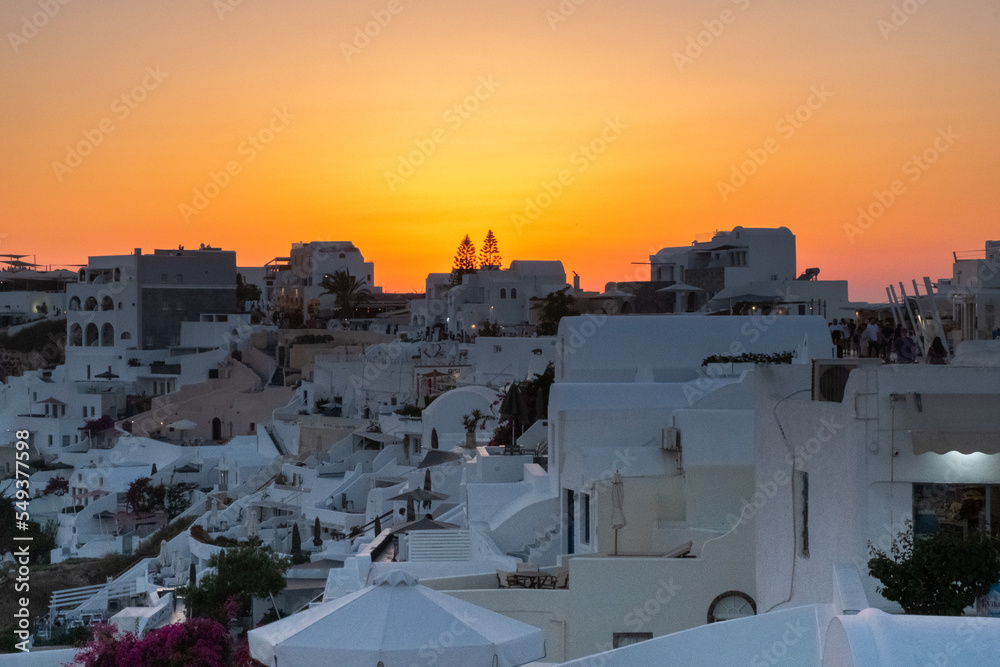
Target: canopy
{"type": "Point", "coordinates": [398, 622]}
{"type": "Point", "coordinates": [183, 425]}
{"type": "Point", "coordinates": [437, 457]}
{"type": "Point", "coordinates": [681, 287]}
{"type": "Point", "coordinates": [421, 495]}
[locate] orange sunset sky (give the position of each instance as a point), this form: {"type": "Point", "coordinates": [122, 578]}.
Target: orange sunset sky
{"type": "Point", "coordinates": [670, 97]}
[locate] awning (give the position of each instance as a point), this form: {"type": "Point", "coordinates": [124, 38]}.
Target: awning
{"type": "Point", "coordinates": [982, 442]}
{"type": "Point", "coordinates": [940, 423]}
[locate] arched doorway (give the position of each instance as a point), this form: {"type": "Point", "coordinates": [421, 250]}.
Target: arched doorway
{"type": "Point", "coordinates": [90, 335]}
{"type": "Point", "coordinates": [216, 429]}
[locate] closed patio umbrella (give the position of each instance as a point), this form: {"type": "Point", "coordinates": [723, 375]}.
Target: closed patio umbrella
{"type": "Point", "coordinates": [617, 505]}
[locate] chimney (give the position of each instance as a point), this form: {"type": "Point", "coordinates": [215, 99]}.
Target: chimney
{"type": "Point", "coordinates": [576, 281]}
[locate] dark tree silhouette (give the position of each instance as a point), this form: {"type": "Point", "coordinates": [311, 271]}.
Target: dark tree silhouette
{"type": "Point", "coordinates": [350, 291]}
{"type": "Point", "coordinates": [489, 254]}
{"type": "Point", "coordinates": [465, 260]}
{"type": "Point", "coordinates": [553, 308]}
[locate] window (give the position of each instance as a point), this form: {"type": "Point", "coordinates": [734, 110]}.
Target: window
{"type": "Point", "coordinates": [503, 292]}
{"type": "Point", "coordinates": [85, 412]}
{"type": "Point", "coordinates": [620, 639]}
{"type": "Point", "coordinates": [65, 441]}
{"type": "Point", "coordinates": [50, 441]}
{"type": "Point", "coordinates": [164, 278]}
{"type": "Point", "coordinates": [513, 292]}
{"type": "Point", "coordinates": [585, 508]}
{"type": "Point", "coordinates": [957, 509]}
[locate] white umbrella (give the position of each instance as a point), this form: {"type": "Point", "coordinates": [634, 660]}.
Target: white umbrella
{"type": "Point", "coordinates": [182, 425]}
{"type": "Point", "coordinates": [398, 623]}
{"type": "Point", "coordinates": [617, 505]}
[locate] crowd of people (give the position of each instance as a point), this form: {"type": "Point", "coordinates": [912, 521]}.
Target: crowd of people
{"type": "Point", "coordinates": [882, 340]}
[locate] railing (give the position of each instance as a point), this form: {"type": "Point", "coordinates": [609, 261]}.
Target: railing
{"type": "Point", "coordinates": [439, 545]}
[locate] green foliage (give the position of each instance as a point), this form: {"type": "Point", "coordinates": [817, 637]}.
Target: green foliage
{"type": "Point", "coordinates": [245, 292]}
{"type": "Point", "coordinates": [937, 575]}
{"type": "Point", "coordinates": [41, 337]}
{"type": "Point", "coordinates": [177, 499]}
{"type": "Point", "coordinates": [465, 261]}
{"type": "Point", "coordinates": [536, 392]}
{"type": "Point", "coordinates": [473, 420]}
{"type": "Point", "coordinates": [409, 411]}
{"type": "Point", "coordinates": [102, 423]}
{"type": "Point", "coordinates": [489, 255]}
{"type": "Point", "coordinates": [750, 358]}
{"type": "Point", "coordinates": [144, 496]}
{"type": "Point", "coordinates": [487, 329]}
{"type": "Point", "coordinates": [242, 572]}
{"type": "Point", "coordinates": [350, 291]}
{"type": "Point", "coordinates": [554, 307]}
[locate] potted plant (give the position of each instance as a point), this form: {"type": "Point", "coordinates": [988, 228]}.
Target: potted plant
{"type": "Point", "coordinates": [471, 422]}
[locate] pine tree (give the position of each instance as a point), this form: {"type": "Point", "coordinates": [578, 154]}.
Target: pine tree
{"type": "Point", "coordinates": [489, 255]}
{"type": "Point", "coordinates": [465, 260]}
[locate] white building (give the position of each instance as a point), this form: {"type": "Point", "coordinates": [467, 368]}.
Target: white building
{"type": "Point", "coordinates": [293, 282]}
{"type": "Point", "coordinates": [749, 265]}
{"type": "Point", "coordinates": [502, 296]}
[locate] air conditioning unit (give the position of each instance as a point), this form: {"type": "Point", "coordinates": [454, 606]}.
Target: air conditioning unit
{"type": "Point", "coordinates": [671, 441]}
{"type": "Point", "coordinates": [829, 377]}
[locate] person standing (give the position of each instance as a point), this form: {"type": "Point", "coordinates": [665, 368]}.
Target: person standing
{"type": "Point", "coordinates": [936, 354]}
{"type": "Point", "coordinates": [872, 334]}
{"type": "Point", "coordinates": [906, 348]}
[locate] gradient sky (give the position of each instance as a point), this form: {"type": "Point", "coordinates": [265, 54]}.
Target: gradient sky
{"type": "Point", "coordinates": [344, 120]}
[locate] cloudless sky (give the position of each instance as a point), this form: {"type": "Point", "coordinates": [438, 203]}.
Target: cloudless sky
{"type": "Point", "coordinates": [644, 108]}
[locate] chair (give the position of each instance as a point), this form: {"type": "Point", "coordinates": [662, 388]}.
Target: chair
{"type": "Point", "coordinates": [527, 567]}
{"type": "Point", "coordinates": [503, 579]}
{"type": "Point", "coordinates": [562, 579]}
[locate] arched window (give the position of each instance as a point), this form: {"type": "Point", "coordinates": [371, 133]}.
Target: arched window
{"type": "Point", "coordinates": [513, 292]}
{"type": "Point", "coordinates": [126, 335]}
{"type": "Point", "coordinates": [82, 277]}
{"type": "Point", "coordinates": [90, 335]}
{"type": "Point", "coordinates": [75, 335]}
{"type": "Point", "coordinates": [90, 303]}
{"type": "Point", "coordinates": [107, 335]}
{"type": "Point", "coordinates": [107, 303]}
{"type": "Point", "coordinates": [503, 292]}
{"type": "Point", "coordinates": [74, 303]}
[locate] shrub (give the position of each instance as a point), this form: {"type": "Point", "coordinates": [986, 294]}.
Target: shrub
{"type": "Point", "coordinates": [936, 575]}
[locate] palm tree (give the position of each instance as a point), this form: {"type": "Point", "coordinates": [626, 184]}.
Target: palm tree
{"type": "Point", "coordinates": [350, 291]}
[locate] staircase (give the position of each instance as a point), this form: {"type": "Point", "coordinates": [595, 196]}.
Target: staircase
{"type": "Point", "coordinates": [538, 551]}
